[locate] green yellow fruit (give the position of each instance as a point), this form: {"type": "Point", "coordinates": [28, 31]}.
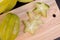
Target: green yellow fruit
{"type": "Point", "coordinates": [6, 5]}
{"type": "Point", "coordinates": [25, 1]}
{"type": "Point", "coordinates": [12, 4]}
{"type": "Point", "coordinates": [9, 27]}
{"type": "Point", "coordinates": [41, 8]}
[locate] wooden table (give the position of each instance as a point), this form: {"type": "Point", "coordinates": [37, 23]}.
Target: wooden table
{"type": "Point", "coordinates": [47, 31]}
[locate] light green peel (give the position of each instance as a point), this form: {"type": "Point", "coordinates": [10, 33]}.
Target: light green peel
{"type": "Point", "coordinates": [24, 1]}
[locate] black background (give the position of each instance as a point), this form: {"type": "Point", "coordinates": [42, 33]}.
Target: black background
{"type": "Point", "coordinates": [19, 4]}
{"type": "Point", "coordinates": [58, 3]}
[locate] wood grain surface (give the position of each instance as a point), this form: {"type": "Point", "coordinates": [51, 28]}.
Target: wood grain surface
{"type": "Point", "coordinates": [47, 31]}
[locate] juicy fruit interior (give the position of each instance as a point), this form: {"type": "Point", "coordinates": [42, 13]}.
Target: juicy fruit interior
{"type": "Point", "coordinates": [31, 25]}
{"type": "Point", "coordinates": [9, 27]}
{"type": "Point", "coordinates": [7, 5]}
{"type": "Point", "coordinates": [24, 1]}
{"type": "Point", "coordinates": [41, 8]}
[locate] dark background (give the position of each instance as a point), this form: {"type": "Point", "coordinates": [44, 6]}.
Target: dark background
{"type": "Point", "coordinates": [19, 4]}
{"type": "Point", "coordinates": [58, 3]}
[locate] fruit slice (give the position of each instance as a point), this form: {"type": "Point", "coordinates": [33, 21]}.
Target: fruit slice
{"type": "Point", "coordinates": [6, 5]}
{"type": "Point", "coordinates": [24, 1]}
{"type": "Point", "coordinates": [41, 8]}
{"type": "Point", "coordinates": [9, 27]}
{"type": "Point", "coordinates": [31, 25]}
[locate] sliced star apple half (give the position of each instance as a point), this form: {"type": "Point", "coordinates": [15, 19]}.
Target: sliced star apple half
{"type": "Point", "coordinates": [41, 8]}
{"type": "Point", "coordinates": [31, 25]}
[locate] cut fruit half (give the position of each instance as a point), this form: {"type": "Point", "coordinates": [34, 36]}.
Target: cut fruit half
{"type": "Point", "coordinates": [31, 25]}
{"type": "Point", "coordinates": [41, 8]}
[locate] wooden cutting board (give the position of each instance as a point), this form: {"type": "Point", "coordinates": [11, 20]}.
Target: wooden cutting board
{"type": "Point", "coordinates": [47, 31]}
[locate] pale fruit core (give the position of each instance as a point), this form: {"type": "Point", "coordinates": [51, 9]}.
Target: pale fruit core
{"type": "Point", "coordinates": [1, 0]}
